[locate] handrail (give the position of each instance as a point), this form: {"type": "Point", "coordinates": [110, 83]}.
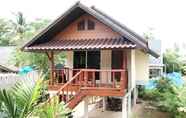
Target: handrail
{"type": "Point", "coordinates": [73, 78]}
{"type": "Point", "coordinates": [65, 85]}
{"type": "Point", "coordinates": [102, 70]}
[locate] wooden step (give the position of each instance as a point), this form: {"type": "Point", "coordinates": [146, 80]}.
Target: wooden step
{"type": "Point", "coordinates": [76, 100]}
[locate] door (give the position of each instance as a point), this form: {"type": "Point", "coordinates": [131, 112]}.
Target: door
{"type": "Point", "coordinates": [93, 61]}
{"type": "Point", "coordinates": [87, 59]}
{"type": "Point", "coordinates": [79, 59]}
{"type": "Point", "coordinates": [117, 62]}
{"type": "Point", "coordinates": [117, 59]}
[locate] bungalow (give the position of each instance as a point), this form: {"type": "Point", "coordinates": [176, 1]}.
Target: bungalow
{"type": "Point", "coordinates": [104, 57]}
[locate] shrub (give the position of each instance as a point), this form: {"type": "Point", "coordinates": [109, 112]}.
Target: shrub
{"type": "Point", "coordinates": [167, 97]}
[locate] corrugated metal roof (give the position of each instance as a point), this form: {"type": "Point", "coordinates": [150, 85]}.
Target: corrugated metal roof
{"type": "Point", "coordinates": [79, 44]}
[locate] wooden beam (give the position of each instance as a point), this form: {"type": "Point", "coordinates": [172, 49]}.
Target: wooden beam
{"type": "Point", "coordinates": [51, 66]}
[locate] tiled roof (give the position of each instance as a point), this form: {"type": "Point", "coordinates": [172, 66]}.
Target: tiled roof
{"type": "Point", "coordinates": [77, 10]}
{"type": "Point", "coordinates": [78, 44]}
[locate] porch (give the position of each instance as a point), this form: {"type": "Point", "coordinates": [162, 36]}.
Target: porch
{"type": "Point", "coordinates": [92, 73]}
{"type": "Point", "coordinates": [110, 80]}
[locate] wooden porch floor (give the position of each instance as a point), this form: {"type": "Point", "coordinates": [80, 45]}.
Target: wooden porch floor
{"type": "Point", "coordinates": [90, 91]}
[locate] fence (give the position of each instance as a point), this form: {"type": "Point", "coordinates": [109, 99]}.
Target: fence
{"type": "Point", "coordinates": [10, 79]}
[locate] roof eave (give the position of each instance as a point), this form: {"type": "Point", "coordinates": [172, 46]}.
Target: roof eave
{"type": "Point", "coordinates": [153, 53]}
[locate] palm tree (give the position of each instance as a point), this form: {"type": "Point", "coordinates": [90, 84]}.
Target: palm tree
{"type": "Point", "coordinates": [19, 27]}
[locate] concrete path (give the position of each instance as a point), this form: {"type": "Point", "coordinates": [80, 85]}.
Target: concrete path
{"type": "Point", "coordinates": [97, 113]}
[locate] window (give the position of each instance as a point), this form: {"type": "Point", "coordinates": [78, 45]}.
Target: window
{"type": "Point", "coordinates": [155, 73]}
{"type": "Point", "coordinates": [81, 25]}
{"type": "Point", "coordinates": [91, 25]}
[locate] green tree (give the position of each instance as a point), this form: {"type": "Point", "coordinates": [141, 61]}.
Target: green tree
{"type": "Point", "coordinates": [149, 35]}
{"type": "Point", "coordinates": [23, 33]}
{"type": "Point", "coordinates": [5, 29]}
{"type": "Point", "coordinates": [172, 61]}
{"type": "Point", "coordinates": [19, 27]}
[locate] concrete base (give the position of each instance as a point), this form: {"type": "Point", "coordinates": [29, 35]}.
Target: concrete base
{"type": "Point", "coordinates": [104, 103]}
{"type": "Point", "coordinates": [124, 107]}
{"type": "Point", "coordinates": [85, 107]}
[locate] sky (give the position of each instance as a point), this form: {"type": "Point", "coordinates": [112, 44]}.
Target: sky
{"type": "Point", "coordinates": [167, 18]}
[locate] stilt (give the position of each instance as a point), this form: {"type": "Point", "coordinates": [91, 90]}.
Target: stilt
{"type": "Point", "coordinates": [129, 104]}
{"type": "Point", "coordinates": [124, 107]}
{"type": "Point", "coordinates": [85, 108]}
{"type": "Point", "coordinates": [104, 103]}
{"type": "Point", "coordinates": [135, 94]}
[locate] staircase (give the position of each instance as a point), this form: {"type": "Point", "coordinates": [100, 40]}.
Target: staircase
{"type": "Point", "coordinates": [80, 86]}
{"type": "Point", "coordinates": [76, 100]}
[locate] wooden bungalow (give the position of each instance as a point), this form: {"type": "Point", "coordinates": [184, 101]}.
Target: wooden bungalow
{"type": "Point", "coordinates": [104, 57]}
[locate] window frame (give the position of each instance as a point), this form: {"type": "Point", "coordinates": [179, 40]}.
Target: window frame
{"type": "Point", "coordinates": [81, 25]}
{"type": "Point", "coordinates": [90, 24]}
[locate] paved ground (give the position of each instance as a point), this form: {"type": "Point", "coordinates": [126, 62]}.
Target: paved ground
{"type": "Point", "coordinates": [106, 114]}
{"type": "Point", "coordinates": [141, 110]}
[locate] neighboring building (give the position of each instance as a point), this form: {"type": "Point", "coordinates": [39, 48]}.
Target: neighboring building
{"type": "Point", "coordinates": [4, 69]}
{"type": "Point", "coordinates": [156, 64]}
{"type": "Point", "coordinates": [104, 58]}
{"type": "Point", "coordinates": [6, 55]}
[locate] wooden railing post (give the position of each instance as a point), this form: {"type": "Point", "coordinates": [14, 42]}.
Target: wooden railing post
{"type": "Point", "coordinates": [113, 80]}
{"type": "Point", "coordinates": [122, 82]}
{"type": "Point", "coordinates": [94, 79]}
{"type": "Point", "coordinates": [85, 78]}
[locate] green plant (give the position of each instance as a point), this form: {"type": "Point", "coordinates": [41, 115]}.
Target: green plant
{"type": "Point", "coordinates": [167, 97]}
{"type": "Point", "coordinates": [19, 101]}
{"type": "Point", "coordinates": [52, 109]}
{"type": "Point", "coordinates": [24, 100]}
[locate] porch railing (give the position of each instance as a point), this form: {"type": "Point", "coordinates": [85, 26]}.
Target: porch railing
{"type": "Point", "coordinates": [114, 78]}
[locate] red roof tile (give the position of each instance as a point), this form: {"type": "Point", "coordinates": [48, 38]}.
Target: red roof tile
{"type": "Point", "coordinates": [67, 44]}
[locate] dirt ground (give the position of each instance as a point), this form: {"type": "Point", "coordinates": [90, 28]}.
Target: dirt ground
{"type": "Point", "coordinates": [142, 110]}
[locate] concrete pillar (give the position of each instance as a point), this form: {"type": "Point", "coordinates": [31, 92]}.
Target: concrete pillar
{"type": "Point", "coordinates": [104, 103]}
{"type": "Point", "coordinates": [129, 105]}
{"type": "Point", "coordinates": [135, 94]}
{"type": "Point", "coordinates": [124, 107]}
{"type": "Point", "coordinates": [133, 69]}
{"type": "Point", "coordinates": [85, 107]}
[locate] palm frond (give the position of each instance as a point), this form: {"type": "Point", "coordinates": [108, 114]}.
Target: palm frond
{"type": "Point", "coordinates": [8, 103]}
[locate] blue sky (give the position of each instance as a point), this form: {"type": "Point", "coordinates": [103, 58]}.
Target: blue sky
{"type": "Point", "coordinates": [166, 17]}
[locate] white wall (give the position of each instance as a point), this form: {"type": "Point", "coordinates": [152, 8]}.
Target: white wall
{"type": "Point", "coordinates": [142, 65]}
{"type": "Point", "coordinates": [131, 66]}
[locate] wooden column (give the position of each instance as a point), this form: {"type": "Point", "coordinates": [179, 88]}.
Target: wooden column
{"type": "Point", "coordinates": [124, 74]}
{"type": "Point", "coordinates": [125, 60]}
{"type": "Point", "coordinates": [51, 66]}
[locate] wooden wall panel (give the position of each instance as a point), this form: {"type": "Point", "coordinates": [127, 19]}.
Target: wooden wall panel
{"type": "Point", "coordinates": [100, 31]}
